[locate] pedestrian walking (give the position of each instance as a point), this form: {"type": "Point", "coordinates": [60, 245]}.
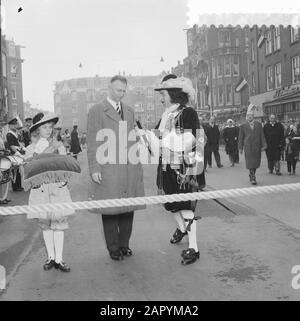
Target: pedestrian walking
{"type": "Point", "coordinates": [252, 141]}
{"type": "Point", "coordinates": [67, 140]}
{"type": "Point", "coordinates": [274, 134]}
{"type": "Point", "coordinates": [212, 145]}
{"type": "Point", "coordinates": [291, 155]}
{"type": "Point", "coordinates": [114, 178]}
{"type": "Point", "coordinates": [230, 136]}
{"type": "Point", "coordinates": [75, 144]}
{"type": "Point", "coordinates": [52, 223]}
{"type": "Point", "coordinates": [173, 176]}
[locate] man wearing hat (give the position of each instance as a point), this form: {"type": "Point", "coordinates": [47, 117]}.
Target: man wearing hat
{"type": "Point", "coordinates": [14, 146]}
{"type": "Point", "coordinates": [230, 136]}
{"type": "Point", "coordinates": [25, 131]}
{"type": "Point", "coordinates": [252, 141]}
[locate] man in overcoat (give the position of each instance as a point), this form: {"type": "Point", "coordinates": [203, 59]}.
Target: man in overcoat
{"type": "Point", "coordinates": [113, 175]}
{"type": "Point", "coordinates": [212, 145]}
{"type": "Point", "coordinates": [274, 134]}
{"type": "Point", "coordinates": [75, 144]}
{"type": "Point", "coordinates": [252, 141]}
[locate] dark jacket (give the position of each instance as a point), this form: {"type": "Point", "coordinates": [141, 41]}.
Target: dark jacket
{"type": "Point", "coordinates": [75, 145]}
{"type": "Point", "coordinates": [213, 136]}
{"type": "Point", "coordinates": [274, 135]}
{"type": "Point", "coordinates": [231, 136]}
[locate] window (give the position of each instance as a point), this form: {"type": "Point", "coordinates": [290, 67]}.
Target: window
{"type": "Point", "coordinates": [228, 94]}
{"type": "Point", "coordinates": [276, 38]}
{"type": "Point", "coordinates": [13, 70]}
{"type": "Point", "coordinates": [227, 66]}
{"type": "Point", "coordinates": [269, 74]}
{"type": "Point", "coordinates": [14, 92]}
{"type": "Point", "coordinates": [11, 49]}
{"type": "Point", "coordinates": [150, 92]}
{"type": "Point", "coordinates": [215, 97]}
{"type": "Point", "coordinates": [73, 95]}
{"type": "Point", "coordinates": [269, 43]}
{"type": "Point", "coordinates": [278, 75]}
{"type": "Point", "coordinates": [294, 34]}
{"type": "Point", "coordinates": [296, 69]}
{"type": "Point", "coordinates": [213, 68]}
{"type": "Point", "coordinates": [150, 106]}
{"type": "Point", "coordinates": [75, 121]}
{"type": "Point", "coordinates": [220, 96]}
{"type": "Point", "coordinates": [237, 41]}
{"type": "Point", "coordinates": [220, 67]}
{"type": "Point", "coordinates": [247, 41]}
{"type": "Point", "coordinates": [252, 50]}
{"type": "Point", "coordinates": [235, 65]}
{"type": "Point", "coordinates": [4, 65]}
{"type": "Point", "coordinates": [224, 38]}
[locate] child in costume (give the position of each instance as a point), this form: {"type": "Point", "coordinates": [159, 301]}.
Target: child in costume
{"type": "Point", "coordinates": [53, 223]}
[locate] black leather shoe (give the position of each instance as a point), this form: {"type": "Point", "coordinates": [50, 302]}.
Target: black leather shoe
{"type": "Point", "coordinates": [63, 266]}
{"type": "Point", "coordinates": [220, 166]}
{"type": "Point", "coordinates": [49, 264]}
{"type": "Point", "coordinates": [126, 251]}
{"type": "Point", "coordinates": [116, 255]}
{"type": "Point", "coordinates": [4, 202]}
{"type": "Point", "coordinates": [189, 256]}
{"type": "Point", "coordinates": [177, 236]}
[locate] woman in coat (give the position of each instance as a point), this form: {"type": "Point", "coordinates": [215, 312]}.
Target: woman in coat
{"type": "Point", "coordinates": [230, 136]}
{"type": "Point", "coordinates": [75, 144]}
{"type": "Point", "coordinates": [252, 141]}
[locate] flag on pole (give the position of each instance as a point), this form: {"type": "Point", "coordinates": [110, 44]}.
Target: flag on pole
{"type": "Point", "coordinates": [261, 40]}
{"type": "Point", "coordinates": [241, 85]}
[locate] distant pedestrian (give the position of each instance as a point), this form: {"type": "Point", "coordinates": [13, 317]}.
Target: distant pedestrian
{"type": "Point", "coordinates": [274, 134]}
{"type": "Point", "coordinates": [291, 155]}
{"type": "Point", "coordinates": [252, 141]}
{"type": "Point", "coordinates": [67, 140]}
{"type": "Point", "coordinates": [230, 136]}
{"type": "Point", "coordinates": [212, 145]}
{"type": "Point", "coordinates": [83, 140]}
{"type": "Point", "coordinates": [75, 145]}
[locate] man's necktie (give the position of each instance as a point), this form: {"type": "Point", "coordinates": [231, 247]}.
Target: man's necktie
{"type": "Point", "coordinates": [118, 108]}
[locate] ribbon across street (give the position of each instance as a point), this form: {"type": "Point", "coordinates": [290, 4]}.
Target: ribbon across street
{"type": "Point", "coordinates": [151, 200]}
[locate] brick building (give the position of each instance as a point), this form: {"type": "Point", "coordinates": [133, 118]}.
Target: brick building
{"type": "Point", "coordinates": [217, 61]}
{"type": "Point", "coordinates": [275, 70]}
{"type": "Point", "coordinates": [11, 82]}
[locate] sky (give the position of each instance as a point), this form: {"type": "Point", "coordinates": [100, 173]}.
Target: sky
{"type": "Point", "coordinates": [105, 36]}
{"type": "Point", "coordinates": [109, 36]}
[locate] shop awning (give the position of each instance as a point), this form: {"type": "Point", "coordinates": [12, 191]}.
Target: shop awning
{"type": "Point", "coordinates": [293, 96]}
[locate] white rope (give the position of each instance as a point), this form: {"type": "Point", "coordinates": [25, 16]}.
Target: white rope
{"type": "Point", "coordinates": [150, 200]}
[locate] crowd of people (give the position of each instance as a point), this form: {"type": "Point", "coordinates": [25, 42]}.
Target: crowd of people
{"type": "Point", "coordinates": [16, 137]}
{"type": "Point", "coordinates": [278, 140]}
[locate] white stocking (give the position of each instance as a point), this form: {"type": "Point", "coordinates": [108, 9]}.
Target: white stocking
{"type": "Point", "coordinates": [192, 234]}
{"type": "Point", "coordinates": [180, 221]}
{"type": "Point", "coordinates": [58, 245]}
{"type": "Point", "coordinates": [49, 242]}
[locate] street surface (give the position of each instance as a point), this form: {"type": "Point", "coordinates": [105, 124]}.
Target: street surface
{"type": "Point", "coordinates": [247, 252]}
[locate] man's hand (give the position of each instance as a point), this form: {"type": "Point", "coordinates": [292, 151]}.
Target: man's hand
{"type": "Point", "coordinates": [97, 178]}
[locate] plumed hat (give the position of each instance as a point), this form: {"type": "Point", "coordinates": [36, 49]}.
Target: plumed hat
{"type": "Point", "coordinates": [182, 83]}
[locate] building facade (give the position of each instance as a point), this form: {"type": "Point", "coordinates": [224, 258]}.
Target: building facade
{"type": "Point", "coordinates": [275, 70]}
{"type": "Point", "coordinates": [217, 61]}
{"type": "Point", "coordinates": [74, 97]}
{"type": "Point", "coordinates": [11, 80]}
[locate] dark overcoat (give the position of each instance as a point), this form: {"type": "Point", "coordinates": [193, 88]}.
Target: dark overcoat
{"type": "Point", "coordinates": [230, 136]}
{"type": "Point", "coordinates": [120, 179]}
{"type": "Point", "coordinates": [75, 144]}
{"type": "Point", "coordinates": [274, 135]}
{"type": "Point", "coordinates": [252, 141]}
